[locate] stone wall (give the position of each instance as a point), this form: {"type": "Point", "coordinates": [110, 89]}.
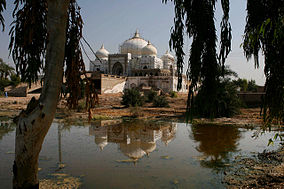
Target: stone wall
{"type": "Point", "coordinates": [251, 99]}
{"type": "Point", "coordinates": [165, 83]}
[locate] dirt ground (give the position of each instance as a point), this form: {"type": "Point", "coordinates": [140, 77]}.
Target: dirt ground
{"type": "Point", "coordinates": [264, 171]}
{"type": "Point", "coordinates": [110, 108]}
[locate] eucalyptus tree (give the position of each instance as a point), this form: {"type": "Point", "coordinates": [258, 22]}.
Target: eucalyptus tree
{"type": "Point", "coordinates": [45, 36]}
{"type": "Point", "coordinates": [195, 19]}
{"type": "Point", "coordinates": [264, 32]}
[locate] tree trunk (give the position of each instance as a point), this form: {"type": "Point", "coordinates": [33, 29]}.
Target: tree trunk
{"type": "Point", "coordinates": [34, 122]}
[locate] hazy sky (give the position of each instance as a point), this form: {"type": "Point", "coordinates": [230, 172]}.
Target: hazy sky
{"type": "Point", "coordinates": [111, 22]}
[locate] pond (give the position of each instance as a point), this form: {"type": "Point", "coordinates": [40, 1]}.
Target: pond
{"type": "Point", "coordinates": [116, 154]}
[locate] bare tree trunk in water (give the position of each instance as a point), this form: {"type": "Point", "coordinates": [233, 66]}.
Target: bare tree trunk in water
{"type": "Point", "coordinates": [34, 123]}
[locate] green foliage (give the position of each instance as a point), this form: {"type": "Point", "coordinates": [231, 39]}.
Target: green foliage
{"type": "Point", "coordinates": [252, 87]}
{"type": "Point", "coordinates": [227, 102]}
{"type": "Point", "coordinates": [28, 38]}
{"type": "Point", "coordinates": [173, 94]}
{"type": "Point", "coordinates": [132, 97]}
{"type": "Point", "coordinates": [4, 83]}
{"type": "Point", "coordinates": [242, 84]}
{"type": "Point", "coordinates": [160, 101]}
{"type": "Point", "coordinates": [5, 70]}
{"type": "Point", "coordinates": [195, 18]}
{"type": "Point", "coordinates": [15, 80]}
{"type": "Point", "coordinates": [265, 31]}
{"type": "Point", "coordinates": [151, 95]}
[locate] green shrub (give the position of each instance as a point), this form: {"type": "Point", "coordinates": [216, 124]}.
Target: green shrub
{"type": "Point", "coordinates": [132, 97]}
{"type": "Point", "coordinates": [160, 101]}
{"type": "Point", "coordinates": [4, 83]}
{"type": "Point", "coordinates": [151, 95]}
{"type": "Point", "coordinates": [173, 94]}
{"type": "Point", "coordinates": [227, 103]}
{"type": "Point", "coordinates": [15, 80]}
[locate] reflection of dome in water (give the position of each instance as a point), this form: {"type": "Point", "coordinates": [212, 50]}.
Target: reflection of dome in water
{"type": "Point", "coordinates": [102, 53]}
{"type": "Point", "coordinates": [148, 147]}
{"type": "Point", "coordinates": [101, 142]}
{"type": "Point", "coordinates": [167, 139]}
{"type": "Point", "coordinates": [132, 150]}
{"type": "Point", "coordinates": [133, 45]}
{"type": "Point", "coordinates": [168, 136]}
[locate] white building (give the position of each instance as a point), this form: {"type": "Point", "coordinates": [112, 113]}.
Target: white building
{"type": "Point", "coordinates": [137, 61]}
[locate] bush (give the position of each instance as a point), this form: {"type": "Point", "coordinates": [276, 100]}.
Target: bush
{"type": "Point", "coordinates": [160, 101]}
{"type": "Point", "coordinates": [132, 97]}
{"type": "Point", "coordinates": [4, 83]}
{"type": "Point", "coordinates": [151, 95]}
{"type": "Point", "coordinates": [173, 94]}
{"type": "Point", "coordinates": [15, 80]}
{"type": "Point", "coordinates": [227, 103]}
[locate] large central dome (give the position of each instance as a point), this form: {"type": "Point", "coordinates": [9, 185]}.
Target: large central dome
{"type": "Point", "coordinates": [133, 45]}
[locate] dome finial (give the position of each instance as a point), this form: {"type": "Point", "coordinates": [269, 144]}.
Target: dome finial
{"type": "Point", "coordinates": [167, 52]}
{"type": "Point", "coordinates": [102, 47]}
{"type": "Point", "coordinates": [137, 35]}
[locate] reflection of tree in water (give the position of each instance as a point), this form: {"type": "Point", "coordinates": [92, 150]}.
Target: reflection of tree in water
{"type": "Point", "coordinates": [215, 142]}
{"type": "Point", "coordinates": [5, 128]}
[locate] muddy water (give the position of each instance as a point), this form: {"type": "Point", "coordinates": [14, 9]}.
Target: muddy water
{"type": "Point", "coordinates": [110, 154]}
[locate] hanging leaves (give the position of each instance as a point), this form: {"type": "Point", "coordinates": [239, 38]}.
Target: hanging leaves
{"type": "Point", "coordinates": [265, 31]}
{"type": "Point", "coordinates": [2, 8]}
{"type": "Point", "coordinates": [73, 55]}
{"type": "Point", "coordinates": [195, 18]}
{"type": "Point", "coordinates": [28, 38]}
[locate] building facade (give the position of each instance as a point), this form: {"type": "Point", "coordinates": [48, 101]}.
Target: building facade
{"type": "Point", "coordinates": [138, 62]}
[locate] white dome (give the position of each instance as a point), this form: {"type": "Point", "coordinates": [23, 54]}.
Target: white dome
{"type": "Point", "coordinates": [133, 45]}
{"type": "Point", "coordinates": [132, 150]}
{"type": "Point", "coordinates": [149, 50]}
{"type": "Point", "coordinates": [101, 142]}
{"type": "Point", "coordinates": [102, 53]}
{"type": "Point", "coordinates": [168, 56]}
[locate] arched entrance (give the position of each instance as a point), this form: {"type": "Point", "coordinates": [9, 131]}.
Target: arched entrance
{"type": "Point", "coordinates": [117, 69]}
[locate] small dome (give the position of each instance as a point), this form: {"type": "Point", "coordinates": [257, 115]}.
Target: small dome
{"type": "Point", "coordinates": [168, 56]}
{"type": "Point", "coordinates": [102, 52]}
{"type": "Point", "coordinates": [148, 147]}
{"type": "Point", "coordinates": [149, 50]}
{"type": "Point", "coordinates": [133, 45]}
{"type": "Point", "coordinates": [101, 142]}
{"type": "Point", "coordinates": [132, 150]}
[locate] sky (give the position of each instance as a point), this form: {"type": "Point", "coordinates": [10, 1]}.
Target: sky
{"type": "Point", "coordinates": [111, 22]}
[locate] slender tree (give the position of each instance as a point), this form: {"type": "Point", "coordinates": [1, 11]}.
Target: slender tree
{"type": "Point", "coordinates": [34, 122]}
{"type": "Point", "coordinates": [195, 19]}
{"type": "Point", "coordinates": [45, 34]}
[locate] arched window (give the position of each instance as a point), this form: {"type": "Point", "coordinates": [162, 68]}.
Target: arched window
{"type": "Point", "coordinates": [117, 69]}
{"type": "Point", "coordinates": [145, 67]}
